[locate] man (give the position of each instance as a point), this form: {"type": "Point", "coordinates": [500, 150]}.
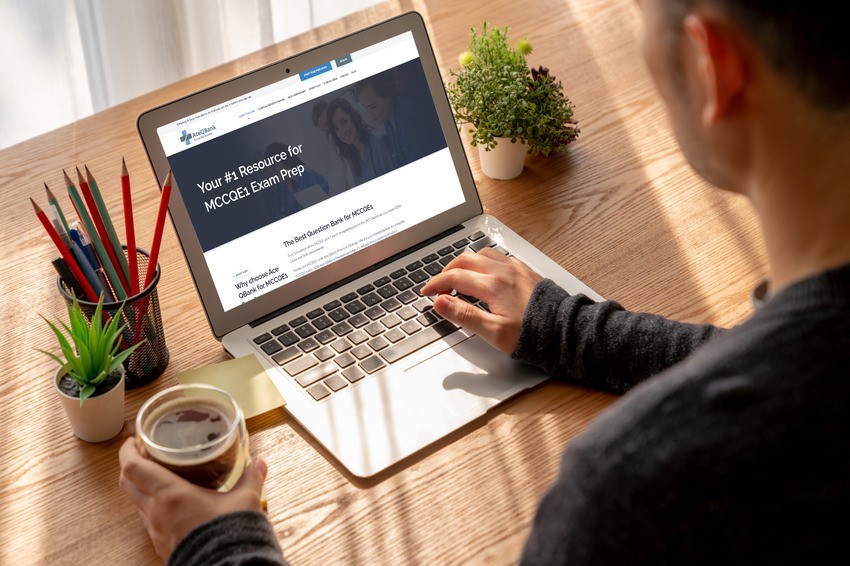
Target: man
{"type": "Point", "coordinates": [735, 450]}
{"type": "Point", "coordinates": [410, 127]}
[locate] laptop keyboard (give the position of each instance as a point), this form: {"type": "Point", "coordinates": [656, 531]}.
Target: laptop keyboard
{"type": "Point", "coordinates": [363, 331]}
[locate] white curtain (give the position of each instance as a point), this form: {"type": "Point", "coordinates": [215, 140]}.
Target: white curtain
{"type": "Point", "coordinates": [62, 60]}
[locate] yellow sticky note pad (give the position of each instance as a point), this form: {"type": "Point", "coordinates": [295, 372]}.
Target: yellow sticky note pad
{"type": "Point", "coordinates": [244, 378]}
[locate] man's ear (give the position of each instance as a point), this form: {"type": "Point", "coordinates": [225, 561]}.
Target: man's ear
{"type": "Point", "coordinates": [720, 66]}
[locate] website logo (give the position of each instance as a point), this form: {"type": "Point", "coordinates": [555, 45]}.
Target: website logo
{"type": "Point", "coordinates": [187, 137]}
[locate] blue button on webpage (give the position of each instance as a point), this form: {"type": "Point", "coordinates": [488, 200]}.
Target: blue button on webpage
{"type": "Point", "coordinates": [309, 73]}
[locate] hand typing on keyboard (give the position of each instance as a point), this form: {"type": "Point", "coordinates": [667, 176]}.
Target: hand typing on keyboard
{"type": "Point", "coordinates": [504, 283]}
{"type": "Point", "coordinates": [381, 322]}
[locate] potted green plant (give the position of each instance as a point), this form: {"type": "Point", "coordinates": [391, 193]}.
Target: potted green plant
{"type": "Point", "coordinates": [90, 380]}
{"type": "Point", "coordinates": [512, 108]}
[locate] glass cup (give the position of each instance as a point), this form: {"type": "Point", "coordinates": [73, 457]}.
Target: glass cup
{"type": "Point", "coordinates": [196, 431]}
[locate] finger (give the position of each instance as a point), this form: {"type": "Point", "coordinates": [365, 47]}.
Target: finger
{"type": "Point", "coordinates": [465, 261]}
{"type": "Point", "coordinates": [147, 476]}
{"type": "Point", "coordinates": [463, 313]}
{"type": "Point", "coordinates": [486, 261]}
{"type": "Point", "coordinates": [129, 450]}
{"type": "Point", "coordinates": [466, 282]}
{"type": "Point", "coordinates": [252, 479]}
{"type": "Point", "coordinates": [499, 257]}
{"type": "Point", "coordinates": [128, 458]}
{"type": "Point", "coordinates": [481, 261]}
{"type": "Point", "coordinates": [494, 254]}
{"type": "Point", "coordinates": [132, 491]}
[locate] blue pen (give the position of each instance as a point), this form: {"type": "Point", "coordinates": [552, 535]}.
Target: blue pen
{"type": "Point", "coordinates": [108, 297]}
{"type": "Point", "coordinates": [87, 270]}
{"type": "Point", "coordinates": [79, 238]}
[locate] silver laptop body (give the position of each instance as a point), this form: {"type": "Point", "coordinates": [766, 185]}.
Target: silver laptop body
{"type": "Point", "coordinates": [307, 254]}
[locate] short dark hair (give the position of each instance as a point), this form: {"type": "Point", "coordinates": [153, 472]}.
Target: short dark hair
{"type": "Point", "coordinates": [383, 85]}
{"type": "Point", "coordinates": [807, 43]}
{"type": "Point", "coordinates": [318, 109]}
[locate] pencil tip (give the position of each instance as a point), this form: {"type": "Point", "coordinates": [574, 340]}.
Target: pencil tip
{"type": "Point", "coordinates": [124, 172]}
{"type": "Point", "coordinates": [67, 178]}
{"type": "Point", "coordinates": [168, 179]}
{"type": "Point", "coordinates": [88, 174]}
{"type": "Point", "coordinates": [47, 190]}
{"type": "Point", "coordinates": [79, 176]}
{"type": "Point", "coordinates": [35, 206]}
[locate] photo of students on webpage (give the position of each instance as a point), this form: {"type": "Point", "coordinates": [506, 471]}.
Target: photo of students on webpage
{"type": "Point", "coordinates": [366, 154]}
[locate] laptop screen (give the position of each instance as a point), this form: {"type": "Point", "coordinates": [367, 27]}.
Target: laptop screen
{"type": "Point", "coordinates": [293, 176]}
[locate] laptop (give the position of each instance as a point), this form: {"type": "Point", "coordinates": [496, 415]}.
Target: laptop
{"type": "Point", "coordinates": [309, 221]}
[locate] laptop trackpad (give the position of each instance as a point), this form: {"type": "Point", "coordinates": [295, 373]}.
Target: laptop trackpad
{"type": "Point", "coordinates": [481, 370]}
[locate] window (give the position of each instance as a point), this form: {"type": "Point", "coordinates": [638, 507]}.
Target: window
{"type": "Point", "coordinates": [66, 59]}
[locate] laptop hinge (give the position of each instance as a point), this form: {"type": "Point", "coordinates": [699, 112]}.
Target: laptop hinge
{"type": "Point", "coordinates": [352, 277]}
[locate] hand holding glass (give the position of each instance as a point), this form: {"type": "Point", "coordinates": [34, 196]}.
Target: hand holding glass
{"type": "Point", "coordinates": [196, 431]}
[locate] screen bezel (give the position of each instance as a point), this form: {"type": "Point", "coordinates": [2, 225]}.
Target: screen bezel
{"type": "Point", "coordinates": [221, 321]}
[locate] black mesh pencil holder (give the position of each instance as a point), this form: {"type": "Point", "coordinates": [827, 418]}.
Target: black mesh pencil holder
{"type": "Point", "coordinates": [141, 320]}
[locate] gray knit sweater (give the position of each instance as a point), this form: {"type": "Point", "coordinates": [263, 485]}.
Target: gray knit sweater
{"type": "Point", "coordinates": [738, 454]}
{"type": "Point", "coordinates": [735, 451]}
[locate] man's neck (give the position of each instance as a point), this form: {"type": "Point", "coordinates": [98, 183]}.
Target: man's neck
{"type": "Point", "coordinates": [802, 197]}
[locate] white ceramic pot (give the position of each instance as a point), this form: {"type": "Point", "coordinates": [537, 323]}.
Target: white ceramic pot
{"type": "Point", "coordinates": [99, 418]}
{"type": "Point", "coordinates": [505, 161]}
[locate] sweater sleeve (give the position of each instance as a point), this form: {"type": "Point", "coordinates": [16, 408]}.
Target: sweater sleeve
{"type": "Point", "coordinates": [601, 345]}
{"type": "Point", "coordinates": [241, 537]}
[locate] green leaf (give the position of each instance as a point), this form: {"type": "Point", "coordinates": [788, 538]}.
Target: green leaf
{"type": "Point", "coordinates": [63, 342]}
{"type": "Point", "coordinates": [55, 357]}
{"type": "Point", "coordinates": [99, 377]}
{"type": "Point", "coordinates": [86, 392]}
{"type": "Point", "coordinates": [119, 359]}
{"type": "Point", "coordinates": [499, 96]}
{"type": "Point", "coordinates": [92, 349]}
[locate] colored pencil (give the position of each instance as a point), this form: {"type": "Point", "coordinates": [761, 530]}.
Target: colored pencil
{"type": "Point", "coordinates": [66, 254]}
{"type": "Point", "coordinates": [131, 230]}
{"type": "Point", "coordinates": [107, 223]}
{"type": "Point", "coordinates": [52, 200]}
{"type": "Point", "coordinates": [53, 216]}
{"type": "Point", "coordinates": [157, 233]}
{"type": "Point", "coordinates": [154, 253]}
{"type": "Point", "coordinates": [111, 257]}
{"type": "Point", "coordinates": [95, 239]}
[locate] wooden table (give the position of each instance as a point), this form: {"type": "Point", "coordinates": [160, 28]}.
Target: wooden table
{"type": "Point", "coordinates": [622, 211]}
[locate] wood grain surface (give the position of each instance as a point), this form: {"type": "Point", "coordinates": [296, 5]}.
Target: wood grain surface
{"type": "Point", "coordinates": [622, 210]}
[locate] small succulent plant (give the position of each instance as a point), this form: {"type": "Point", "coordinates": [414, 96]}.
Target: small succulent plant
{"type": "Point", "coordinates": [92, 351]}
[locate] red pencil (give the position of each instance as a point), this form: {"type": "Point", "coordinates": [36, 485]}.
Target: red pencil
{"type": "Point", "coordinates": [131, 231]}
{"type": "Point", "coordinates": [101, 229]}
{"type": "Point", "coordinates": [66, 254]}
{"type": "Point", "coordinates": [152, 259]}
{"type": "Point", "coordinates": [157, 233]}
